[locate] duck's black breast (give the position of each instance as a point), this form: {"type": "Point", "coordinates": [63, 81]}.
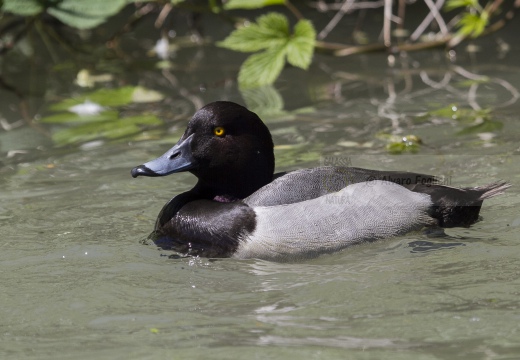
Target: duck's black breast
{"type": "Point", "coordinates": [203, 227]}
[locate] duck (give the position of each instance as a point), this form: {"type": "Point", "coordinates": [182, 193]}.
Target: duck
{"type": "Point", "coordinates": [240, 208]}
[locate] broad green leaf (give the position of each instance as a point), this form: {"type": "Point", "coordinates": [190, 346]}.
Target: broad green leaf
{"type": "Point", "coordinates": [454, 4]}
{"type": "Point", "coordinates": [270, 30]}
{"type": "Point", "coordinates": [301, 46]}
{"type": "Point", "coordinates": [120, 128]}
{"type": "Point", "coordinates": [276, 22]}
{"type": "Point", "coordinates": [251, 4]}
{"type": "Point", "coordinates": [23, 7]}
{"type": "Point", "coordinates": [83, 14]}
{"type": "Point", "coordinates": [261, 69]}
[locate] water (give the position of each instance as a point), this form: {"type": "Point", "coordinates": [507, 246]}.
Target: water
{"type": "Point", "coordinates": [77, 282]}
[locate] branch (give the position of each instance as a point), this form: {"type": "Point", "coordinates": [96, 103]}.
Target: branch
{"type": "Point", "coordinates": [433, 14]}
{"type": "Point", "coordinates": [345, 7]}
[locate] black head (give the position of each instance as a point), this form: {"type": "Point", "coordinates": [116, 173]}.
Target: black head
{"type": "Point", "coordinates": [226, 146]}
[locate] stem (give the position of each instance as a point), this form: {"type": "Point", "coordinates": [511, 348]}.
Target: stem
{"type": "Point", "coordinates": [387, 36]}
{"type": "Point", "coordinates": [345, 7]}
{"type": "Point", "coordinates": [294, 10]}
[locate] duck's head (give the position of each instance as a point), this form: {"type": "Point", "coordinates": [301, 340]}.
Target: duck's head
{"type": "Point", "coordinates": [226, 146]}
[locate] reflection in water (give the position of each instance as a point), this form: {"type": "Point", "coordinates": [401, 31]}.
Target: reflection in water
{"type": "Point", "coordinates": [425, 246]}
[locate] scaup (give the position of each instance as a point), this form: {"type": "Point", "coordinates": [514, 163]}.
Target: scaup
{"type": "Point", "coordinates": [240, 208]}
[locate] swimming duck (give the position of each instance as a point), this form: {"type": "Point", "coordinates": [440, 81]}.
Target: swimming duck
{"type": "Point", "coordinates": [240, 208]}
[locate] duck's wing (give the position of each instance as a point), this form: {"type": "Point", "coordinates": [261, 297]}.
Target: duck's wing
{"type": "Point", "coordinates": [359, 213]}
{"type": "Point", "coordinates": [306, 184]}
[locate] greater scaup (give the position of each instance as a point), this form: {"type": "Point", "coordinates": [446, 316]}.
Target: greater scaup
{"type": "Point", "coordinates": [239, 208]}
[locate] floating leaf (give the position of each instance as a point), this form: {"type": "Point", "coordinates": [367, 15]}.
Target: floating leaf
{"type": "Point", "coordinates": [119, 128]}
{"type": "Point", "coordinates": [471, 82]}
{"type": "Point", "coordinates": [111, 97]}
{"type": "Point", "coordinates": [143, 95]}
{"type": "Point", "coordinates": [87, 108]}
{"type": "Point", "coordinates": [66, 118]}
{"type": "Point", "coordinates": [251, 4]}
{"type": "Point", "coordinates": [463, 115]}
{"type": "Point", "coordinates": [483, 127]}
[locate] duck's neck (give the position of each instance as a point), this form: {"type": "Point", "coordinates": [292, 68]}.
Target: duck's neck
{"type": "Point", "coordinates": [229, 191]}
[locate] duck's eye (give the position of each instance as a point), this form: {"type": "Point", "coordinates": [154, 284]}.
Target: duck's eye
{"type": "Point", "coordinates": [219, 131]}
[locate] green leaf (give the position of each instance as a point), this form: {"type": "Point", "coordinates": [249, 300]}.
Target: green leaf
{"type": "Point", "coordinates": [454, 4]}
{"type": "Point", "coordinates": [251, 4]}
{"type": "Point", "coordinates": [23, 7]}
{"type": "Point", "coordinates": [83, 14]}
{"type": "Point", "coordinates": [473, 24]}
{"type": "Point", "coordinates": [261, 69]}
{"type": "Point", "coordinates": [301, 47]}
{"type": "Point", "coordinates": [483, 127]}
{"type": "Point", "coordinates": [271, 30]}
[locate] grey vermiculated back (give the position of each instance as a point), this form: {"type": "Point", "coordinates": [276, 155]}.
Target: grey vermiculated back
{"type": "Point", "coordinates": [306, 184]}
{"type": "Point", "coordinates": [359, 213]}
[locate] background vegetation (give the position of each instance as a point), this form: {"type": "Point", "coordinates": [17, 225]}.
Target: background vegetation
{"type": "Point", "coordinates": [276, 33]}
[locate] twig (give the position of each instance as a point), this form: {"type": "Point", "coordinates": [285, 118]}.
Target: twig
{"type": "Point", "coordinates": [350, 50]}
{"type": "Point", "coordinates": [165, 11]}
{"type": "Point", "coordinates": [294, 10]}
{"type": "Point", "coordinates": [345, 7]}
{"type": "Point", "coordinates": [356, 6]}
{"type": "Point", "coordinates": [400, 13]}
{"type": "Point", "coordinates": [387, 36]}
{"type": "Point", "coordinates": [433, 14]}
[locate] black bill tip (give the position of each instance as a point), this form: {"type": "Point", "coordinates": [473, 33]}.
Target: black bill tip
{"type": "Point", "coordinates": [143, 171]}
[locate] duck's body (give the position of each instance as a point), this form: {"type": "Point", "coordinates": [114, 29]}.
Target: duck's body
{"type": "Point", "coordinates": [239, 208]}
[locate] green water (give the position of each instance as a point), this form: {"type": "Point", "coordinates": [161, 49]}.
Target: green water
{"type": "Point", "coordinates": [77, 283]}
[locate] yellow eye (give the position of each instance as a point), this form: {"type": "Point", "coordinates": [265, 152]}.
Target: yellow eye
{"type": "Point", "coordinates": [219, 131]}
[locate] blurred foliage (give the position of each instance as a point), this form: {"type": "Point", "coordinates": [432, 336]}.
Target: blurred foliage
{"type": "Point", "coordinates": [473, 20]}
{"type": "Point", "coordinates": [473, 121]}
{"type": "Point", "coordinates": [95, 115]}
{"type": "Point", "coordinates": [401, 144]}
{"type": "Point", "coordinates": [269, 37]}
{"type": "Point", "coordinates": [79, 14]}
{"type": "Point", "coordinates": [275, 39]}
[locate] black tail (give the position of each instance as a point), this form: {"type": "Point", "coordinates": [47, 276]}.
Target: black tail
{"type": "Point", "coordinates": [459, 206]}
